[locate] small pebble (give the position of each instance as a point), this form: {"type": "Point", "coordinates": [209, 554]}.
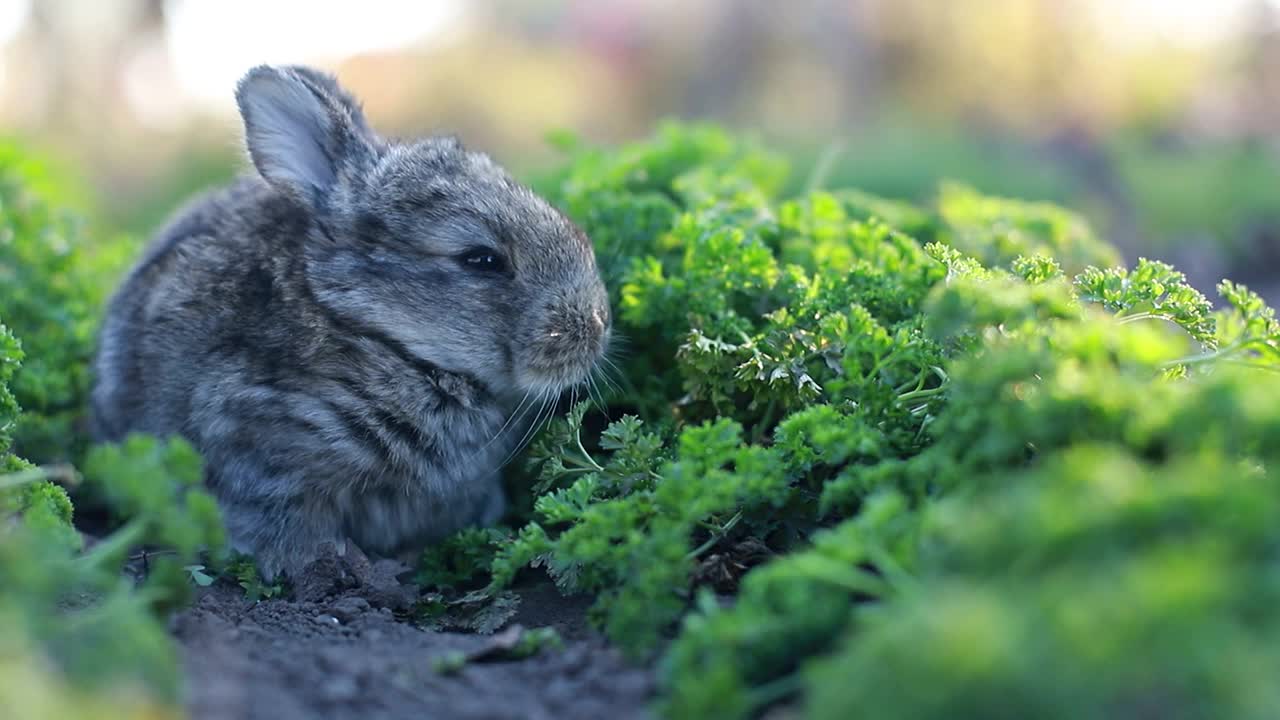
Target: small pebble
{"type": "Point", "coordinates": [348, 609]}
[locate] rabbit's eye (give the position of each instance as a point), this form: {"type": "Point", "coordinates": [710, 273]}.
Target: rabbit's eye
{"type": "Point", "coordinates": [485, 260]}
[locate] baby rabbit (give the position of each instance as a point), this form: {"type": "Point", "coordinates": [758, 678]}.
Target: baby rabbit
{"type": "Point", "coordinates": [348, 338]}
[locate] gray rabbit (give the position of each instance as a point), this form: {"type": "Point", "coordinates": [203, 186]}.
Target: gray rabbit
{"type": "Point", "coordinates": [354, 339]}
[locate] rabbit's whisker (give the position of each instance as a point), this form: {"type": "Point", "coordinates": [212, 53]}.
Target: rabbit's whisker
{"type": "Point", "coordinates": [532, 430]}
{"type": "Point", "coordinates": [598, 397]}
{"type": "Point", "coordinates": [608, 365]}
{"type": "Point", "coordinates": [507, 424]}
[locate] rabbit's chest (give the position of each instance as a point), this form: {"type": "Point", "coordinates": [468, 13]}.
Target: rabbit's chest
{"type": "Point", "coordinates": [431, 488]}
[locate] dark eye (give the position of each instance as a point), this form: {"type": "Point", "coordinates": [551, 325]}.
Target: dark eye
{"type": "Point", "coordinates": [485, 260]}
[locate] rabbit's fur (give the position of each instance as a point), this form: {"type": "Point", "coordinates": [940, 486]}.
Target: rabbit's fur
{"type": "Point", "coordinates": [344, 337]}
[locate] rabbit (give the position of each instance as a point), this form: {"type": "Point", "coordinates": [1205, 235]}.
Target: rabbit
{"type": "Point", "coordinates": [355, 337]}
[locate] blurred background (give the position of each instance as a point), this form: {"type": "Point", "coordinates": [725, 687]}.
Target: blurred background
{"type": "Point", "coordinates": [1159, 119]}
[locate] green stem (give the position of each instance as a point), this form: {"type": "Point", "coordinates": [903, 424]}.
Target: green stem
{"type": "Point", "coordinates": [114, 545]}
{"type": "Point", "coordinates": [1216, 354]}
{"type": "Point", "coordinates": [1125, 319]}
{"type": "Point", "coordinates": [775, 690]}
{"type": "Point", "coordinates": [891, 569]}
{"type": "Point", "coordinates": [917, 394]}
{"type": "Point", "coordinates": [841, 575]}
{"type": "Point", "coordinates": [881, 362]}
{"type": "Point", "coordinates": [942, 374]}
{"type": "Point", "coordinates": [578, 470]}
{"type": "Point", "coordinates": [585, 463]}
{"type": "Point", "coordinates": [822, 168]}
{"type": "Point", "coordinates": [716, 537]}
{"type": "Point", "coordinates": [1256, 366]}
{"type": "Point", "coordinates": [758, 432]}
{"type": "Point", "coordinates": [58, 473]}
{"type": "Point", "coordinates": [919, 385]}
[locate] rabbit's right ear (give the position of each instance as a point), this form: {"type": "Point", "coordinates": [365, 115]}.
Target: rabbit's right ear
{"type": "Point", "coordinates": [303, 131]}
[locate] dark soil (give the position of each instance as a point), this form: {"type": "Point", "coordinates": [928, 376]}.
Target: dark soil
{"type": "Point", "coordinates": [341, 649]}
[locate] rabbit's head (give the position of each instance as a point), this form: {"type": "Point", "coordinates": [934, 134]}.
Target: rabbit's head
{"type": "Point", "coordinates": [433, 248]}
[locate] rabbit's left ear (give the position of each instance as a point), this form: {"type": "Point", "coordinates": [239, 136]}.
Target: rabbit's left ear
{"type": "Point", "coordinates": [303, 131]}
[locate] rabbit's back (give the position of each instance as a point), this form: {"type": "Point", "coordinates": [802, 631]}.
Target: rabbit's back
{"type": "Point", "coordinates": [183, 313]}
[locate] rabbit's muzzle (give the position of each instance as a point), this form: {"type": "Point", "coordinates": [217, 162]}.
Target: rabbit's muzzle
{"type": "Point", "coordinates": [567, 341]}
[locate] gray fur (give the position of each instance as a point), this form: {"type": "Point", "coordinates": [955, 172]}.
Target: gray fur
{"type": "Point", "coordinates": [319, 334]}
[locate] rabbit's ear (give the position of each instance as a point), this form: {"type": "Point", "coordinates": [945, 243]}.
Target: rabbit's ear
{"type": "Point", "coordinates": [304, 132]}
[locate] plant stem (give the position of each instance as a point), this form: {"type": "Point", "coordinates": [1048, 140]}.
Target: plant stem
{"type": "Point", "coordinates": [844, 576]}
{"type": "Point", "coordinates": [775, 690]}
{"type": "Point", "coordinates": [1256, 366]}
{"type": "Point", "coordinates": [919, 385]}
{"type": "Point", "coordinates": [1125, 319]}
{"type": "Point", "coordinates": [577, 437]}
{"type": "Point", "coordinates": [942, 374]}
{"type": "Point", "coordinates": [58, 473]}
{"type": "Point", "coordinates": [586, 462]}
{"type": "Point", "coordinates": [822, 168]}
{"type": "Point", "coordinates": [1214, 355]}
{"type": "Point", "coordinates": [578, 470]}
{"type": "Point", "coordinates": [897, 576]}
{"type": "Point", "coordinates": [917, 394]}
{"type": "Point", "coordinates": [757, 433]}
{"type": "Point", "coordinates": [716, 536]}
{"type": "Point", "coordinates": [114, 545]}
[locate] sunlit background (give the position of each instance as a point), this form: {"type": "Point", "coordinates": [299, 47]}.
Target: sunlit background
{"type": "Point", "coordinates": [1158, 118]}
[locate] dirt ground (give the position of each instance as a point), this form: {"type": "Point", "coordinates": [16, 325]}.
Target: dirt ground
{"type": "Point", "coordinates": [339, 649]}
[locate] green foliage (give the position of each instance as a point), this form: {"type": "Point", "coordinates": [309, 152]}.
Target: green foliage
{"type": "Point", "coordinates": [1060, 387]}
{"type": "Point", "coordinates": [54, 283]}
{"type": "Point", "coordinates": [1247, 330]}
{"type": "Point", "coordinates": [10, 359]}
{"type": "Point", "coordinates": [80, 639]}
{"type": "Point", "coordinates": [624, 530]}
{"type": "Point", "coordinates": [242, 570]}
{"type": "Point", "coordinates": [459, 561]}
{"type": "Point", "coordinates": [726, 664]}
{"type": "Point", "coordinates": [904, 216]}
{"type": "Point", "coordinates": [476, 611]}
{"type": "Point", "coordinates": [1099, 585]}
{"type": "Point", "coordinates": [77, 610]}
{"type": "Point", "coordinates": [997, 230]}
{"type": "Point", "coordinates": [861, 429]}
{"type": "Point", "coordinates": [107, 633]}
{"type": "Point", "coordinates": [1152, 290]}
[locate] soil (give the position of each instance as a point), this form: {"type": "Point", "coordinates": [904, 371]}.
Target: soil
{"type": "Point", "coordinates": [341, 648]}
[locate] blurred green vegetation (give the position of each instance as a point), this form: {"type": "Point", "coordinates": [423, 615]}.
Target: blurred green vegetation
{"type": "Point", "coordinates": [1173, 191]}
{"type": "Point", "coordinates": [78, 639]}
{"type": "Point", "coordinates": [196, 169]}
{"type": "Point", "coordinates": [1182, 190]}
{"type": "Point", "coordinates": [902, 155]}
{"type": "Point", "coordinates": [53, 311]}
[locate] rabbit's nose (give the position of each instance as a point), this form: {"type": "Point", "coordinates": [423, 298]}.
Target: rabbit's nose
{"type": "Point", "coordinates": [597, 320]}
